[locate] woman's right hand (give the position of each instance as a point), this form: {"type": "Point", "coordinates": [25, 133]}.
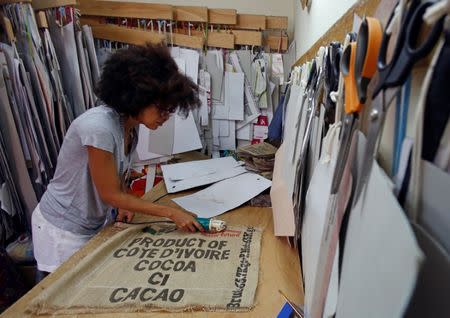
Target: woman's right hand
{"type": "Point", "coordinates": [185, 220]}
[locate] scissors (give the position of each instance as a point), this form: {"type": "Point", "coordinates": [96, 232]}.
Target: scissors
{"type": "Point", "coordinates": [358, 65]}
{"type": "Point", "coordinates": [392, 75]}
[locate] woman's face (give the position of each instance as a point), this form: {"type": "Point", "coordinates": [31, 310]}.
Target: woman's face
{"type": "Point", "coordinates": [152, 117]}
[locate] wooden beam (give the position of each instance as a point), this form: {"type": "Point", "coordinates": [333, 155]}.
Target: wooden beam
{"type": "Point", "coordinates": [276, 43]}
{"type": "Point", "coordinates": [279, 23]}
{"type": "Point", "coordinates": [222, 40]}
{"type": "Point", "coordinates": [222, 16]}
{"type": "Point", "coordinates": [41, 20]}
{"type": "Point", "coordinates": [191, 41]}
{"type": "Point", "coordinates": [126, 9]}
{"type": "Point", "coordinates": [218, 39]}
{"type": "Point", "coordinates": [2, 2]}
{"type": "Point", "coordinates": [92, 20]}
{"type": "Point", "coordinates": [190, 13]}
{"type": "Point", "coordinates": [244, 37]}
{"type": "Point", "coordinates": [47, 4]}
{"type": "Point", "coordinates": [121, 34]}
{"type": "Point", "coordinates": [251, 21]}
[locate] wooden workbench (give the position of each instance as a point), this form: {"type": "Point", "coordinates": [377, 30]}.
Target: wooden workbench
{"type": "Point", "coordinates": [279, 266]}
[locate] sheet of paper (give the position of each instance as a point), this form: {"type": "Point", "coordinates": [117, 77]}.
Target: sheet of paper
{"type": "Point", "coordinates": [378, 227]}
{"type": "Point", "coordinates": [291, 129]}
{"type": "Point", "coordinates": [150, 179]}
{"type": "Point", "coordinates": [260, 132]}
{"type": "Point", "coordinates": [234, 95]}
{"type": "Point", "coordinates": [176, 135]}
{"type": "Point", "coordinates": [162, 140]}
{"type": "Point", "coordinates": [245, 60]}
{"type": "Point", "coordinates": [224, 128]}
{"type": "Point", "coordinates": [204, 95]}
{"type": "Point", "coordinates": [186, 136]}
{"type": "Point", "coordinates": [175, 51]}
{"type": "Point", "coordinates": [181, 63]}
{"type": "Point", "coordinates": [220, 110]}
{"type": "Point", "coordinates": [215, 69]}
{"type": "Point", "coordinates": [182, 176]}
{"type": "Point", "coordinates": [251, 111]}
{"type": "Point", "coordinates": [434, 216]}
{"type": "Point", "coordinates": [192, 59]}
{"type": "Point", "coordinates": [229, 142]}
{"type": "Point", "coordinates": [216, 133]}
{"type": "Point", "coordinates": [245, 133]}
{"type": "Point", "coordinates": [314, 221]}
{"type": "Point", "coordinates": [224, 196]}
{"type": "Point", "coordinates": [282, 207]}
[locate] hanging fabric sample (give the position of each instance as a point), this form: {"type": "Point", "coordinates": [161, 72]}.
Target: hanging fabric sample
{"type": "Point", "coordinates": [9, 129]}
{"type": "Point", "coordinates": [62, 31]}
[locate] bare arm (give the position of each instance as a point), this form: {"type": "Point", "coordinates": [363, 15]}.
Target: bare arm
{"type": "Point", "coordinates": [102, 167]}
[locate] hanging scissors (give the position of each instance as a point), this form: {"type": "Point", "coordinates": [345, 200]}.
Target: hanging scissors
{"type": "Point", "coordinates": [392, 75]}
{"type": "Point", "coordinates": [358, 65]}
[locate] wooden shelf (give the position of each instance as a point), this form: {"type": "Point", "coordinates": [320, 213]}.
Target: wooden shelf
{"type": "Point", "coordinates": [47, 4]}
{"type": "Point", "coordinates": [126, 9]}
{"type": "Point", "coordinates": [2, 2]}
{"type": "Point", "coordinates": [222, 40]}
{"type": "Point", "coordinates": [273, 42]}
{"type": "Point", "coordinates": [276, 22]}
{"type": "Point", "coordinates": [92, 20]}
{"type": "Point", "coordinates": [243, 37]}
{"type": "Point", "coordinates": [222, 16]}
{"type": "Point", "coordinates": [218, 39]}
{"type": "Point", "coordinates": [192, 14]}
{"type": "Point", "coordinates": [192, 41]}
{"type": "Point", "coordinates": [251, 22]}
{"type": "Point", "coordinates": [125, 35]}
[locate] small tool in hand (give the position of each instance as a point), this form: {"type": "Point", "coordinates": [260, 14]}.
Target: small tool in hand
{"type": "Point", "coordinates": [212, 225]}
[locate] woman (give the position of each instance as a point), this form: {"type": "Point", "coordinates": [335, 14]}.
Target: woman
{"type": "Point", "coordinates": [140, 85]}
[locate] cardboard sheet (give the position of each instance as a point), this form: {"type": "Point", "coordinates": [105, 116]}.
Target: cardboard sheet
{"type": "Point", "coordinates": [282, 206]}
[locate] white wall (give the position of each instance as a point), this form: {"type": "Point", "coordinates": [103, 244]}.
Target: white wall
{"type": "Point", "coordinates": [263, 7]}
{"type": "Point", "coordinates": [311, 24]}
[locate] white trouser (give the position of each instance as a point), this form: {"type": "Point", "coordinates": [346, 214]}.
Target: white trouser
{"type": "Point", "coordinates": [52, 246]}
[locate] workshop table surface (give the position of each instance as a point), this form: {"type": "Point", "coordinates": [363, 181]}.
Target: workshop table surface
{"type": "Point", "coordinates": [279, 266]}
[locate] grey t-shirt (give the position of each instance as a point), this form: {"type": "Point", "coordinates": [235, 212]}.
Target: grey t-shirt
{"type": "Point", "coordinates": [71, 201]}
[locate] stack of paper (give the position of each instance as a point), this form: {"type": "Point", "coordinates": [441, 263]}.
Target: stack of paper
{"type": "Point", "coordinates": [259, 158]}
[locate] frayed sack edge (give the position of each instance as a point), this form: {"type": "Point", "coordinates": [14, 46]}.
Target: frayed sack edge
{"type": "Point", "coordinates": [43, 309]}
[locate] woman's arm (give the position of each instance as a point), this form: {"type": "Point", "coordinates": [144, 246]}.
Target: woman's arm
{"type": "Point", "coordinates": [102, 167]}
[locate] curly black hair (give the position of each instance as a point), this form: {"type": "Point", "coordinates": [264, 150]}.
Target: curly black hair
{"type": "Point", "coordinates": [135, 78]}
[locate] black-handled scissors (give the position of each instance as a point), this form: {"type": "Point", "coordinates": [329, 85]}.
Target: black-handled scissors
{"type": "Point", "coordinates": [393, 75]}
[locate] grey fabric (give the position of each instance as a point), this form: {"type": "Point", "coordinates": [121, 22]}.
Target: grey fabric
{"type": "Point", "coordinates": [71, 201]}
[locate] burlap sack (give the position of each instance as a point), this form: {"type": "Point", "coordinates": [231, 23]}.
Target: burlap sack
{"type": "Point", "coordinates": [161, 269]}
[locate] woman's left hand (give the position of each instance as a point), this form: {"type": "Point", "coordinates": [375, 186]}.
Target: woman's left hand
{"type": "Point", "coordinates": [124, 216]}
